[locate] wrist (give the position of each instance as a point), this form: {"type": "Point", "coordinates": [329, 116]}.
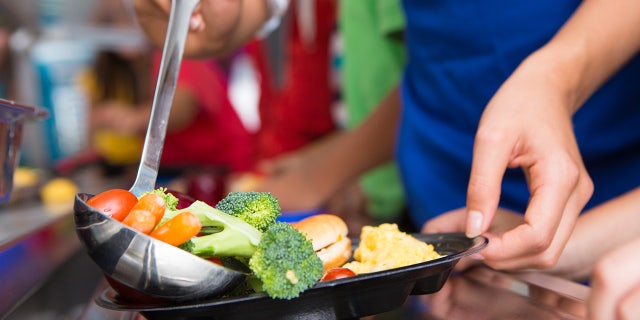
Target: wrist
{"type": "Point", "coordinates": [564, 69]}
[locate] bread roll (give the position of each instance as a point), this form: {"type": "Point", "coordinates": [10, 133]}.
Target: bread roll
{"type": "Point", "coordinates": [328, 234]}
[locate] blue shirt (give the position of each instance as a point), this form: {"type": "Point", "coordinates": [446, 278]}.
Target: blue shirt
{"type": "Point", "coordinates": [459, 53]}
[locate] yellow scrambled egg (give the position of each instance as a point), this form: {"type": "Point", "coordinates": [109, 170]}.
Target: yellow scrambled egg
{"type": "Point", "coordinates": [386, 247]}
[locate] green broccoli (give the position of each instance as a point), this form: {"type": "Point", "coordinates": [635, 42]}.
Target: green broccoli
{"type": "Point", "coordinates": [279, 261]}
{"type": "Point", "coordinates": [225, 235]}
{"type": "Point", "coordinates": [285, 262]}
{"type": "Point", "coordinates": [170, 200]}
{"type": "Point", "coordinates": [259, 209]}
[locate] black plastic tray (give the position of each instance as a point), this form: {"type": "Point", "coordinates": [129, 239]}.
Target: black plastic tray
{"type": "Point", "coordinates": [346, 298]}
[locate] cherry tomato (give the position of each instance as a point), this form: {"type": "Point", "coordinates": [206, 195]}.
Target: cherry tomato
{"type": "Point", "coordinates": [337, 273]}
{"type": "Point", "coordinates": [178, 229]}
{"type": "Point", "coordinates": [115, 203]}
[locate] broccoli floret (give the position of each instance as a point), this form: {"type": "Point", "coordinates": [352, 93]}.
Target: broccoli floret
{"type": "Point", "coordinates": [259, 209]}
{"type": "Point", "coordinates": [285, 262]}
{"type": "Point", "coordinates": [170, 200]}
{"type": "Point", "coordinates": [225, 235]}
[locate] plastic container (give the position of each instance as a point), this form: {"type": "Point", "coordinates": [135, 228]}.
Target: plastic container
{"type": "Point", "coordinates": [12, 119]}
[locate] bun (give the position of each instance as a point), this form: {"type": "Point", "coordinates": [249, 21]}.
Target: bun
{"type": "Point", "coordinates": [335, 255]}
{"type": "Point", "coordinates": [328, 234]}
{"type": "Point", "coordinates": [322, 229]}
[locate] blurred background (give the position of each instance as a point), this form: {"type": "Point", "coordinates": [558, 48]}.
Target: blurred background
{"type": "Point", "coordinates": [90, 66]}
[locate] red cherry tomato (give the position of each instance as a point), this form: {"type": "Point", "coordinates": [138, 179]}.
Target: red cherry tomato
{"type": "Point", "coordinates": [115, 203]}
{"type": "Point", "coordinates": [337, 273]}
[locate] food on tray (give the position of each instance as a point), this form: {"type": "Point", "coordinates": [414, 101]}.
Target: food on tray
{"type": "Point", "coordinates": [337, 273]}
{"type": "Point", "coordinates": [258, 209]}
{"type": "Point", "coordinates": [242, 232]}
{"type": "Point", "coordinates": [386, 247]}
{"type": "Point", "coordinates": [328, 233]}
{"type": "Point", "coordinates": [178, 229]}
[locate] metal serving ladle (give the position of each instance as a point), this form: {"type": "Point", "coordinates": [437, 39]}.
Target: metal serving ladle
{"type": "Point", "coordinates": [136, 260]}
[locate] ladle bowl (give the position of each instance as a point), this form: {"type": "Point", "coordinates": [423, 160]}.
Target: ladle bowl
{"type": "Point", "coordinates": [148, 265]}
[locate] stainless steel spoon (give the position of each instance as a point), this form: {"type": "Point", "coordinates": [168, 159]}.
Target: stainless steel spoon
{"type": "Point", "coordinates": [176, 37]}
{"type": "Point", "coordinates": [127, 256]}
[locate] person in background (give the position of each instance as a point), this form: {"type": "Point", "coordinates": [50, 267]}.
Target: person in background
{"type": "Point", "coordinates": [365, 27]}
{"type": "Point", "coordinates": [204, 132]}
{"type": "Point", "coordinates": [116, 79]}
{"type": "Point", "coordinates": [487, 93]}
{"type": "Point", "coordinates": [300, 105]}
{"type": "Point", "coordinates": [299, 111]}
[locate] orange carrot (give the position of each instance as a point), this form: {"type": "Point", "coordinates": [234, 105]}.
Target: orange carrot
{"type": "Point", "coordinates": [178, 229]}
{"type": "Point", "coordinates": [141, 220]}
{"type": "Point", "coordinates": [146, 213]}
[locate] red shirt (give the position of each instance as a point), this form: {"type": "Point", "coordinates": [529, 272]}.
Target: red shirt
{"type": "Point", "coordinates": [301, 111]}
{"type": "Point", "coordinates": [217, 137]}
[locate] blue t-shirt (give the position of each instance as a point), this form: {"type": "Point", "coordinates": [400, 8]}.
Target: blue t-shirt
{"type": "Point", "coordinates": [459, 53]}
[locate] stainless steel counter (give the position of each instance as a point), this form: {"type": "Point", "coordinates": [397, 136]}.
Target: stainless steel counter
{"type": "Point", "coordinates": [36, 240]}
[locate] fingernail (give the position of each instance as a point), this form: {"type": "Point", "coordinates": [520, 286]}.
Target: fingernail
{"type": "Point", "coordinates": [474, 224]}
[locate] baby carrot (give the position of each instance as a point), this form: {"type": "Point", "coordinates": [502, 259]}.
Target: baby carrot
{"type": "Point", "coordinates": [146, 213]}
{"type": "Point", "coordinates": [141, 220]}
{"type": "Point", "coordinates": [178, 229]}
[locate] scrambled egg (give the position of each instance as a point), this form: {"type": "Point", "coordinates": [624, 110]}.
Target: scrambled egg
{"type": "Point", "coordinates": [386, 247]}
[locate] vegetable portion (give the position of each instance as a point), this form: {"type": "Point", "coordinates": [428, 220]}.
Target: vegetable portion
{"type": "Point", "coordinates": [285, 262]}
{"type": "Point", "coordinates": [337, 273]}
{"type": "Point", "coordinates": [259, 209]}
{"type": "Point", "coordinates": [115, 203]}
{"type": "Point", "coordinates": [241, 232]}
{"type": "Point", "coordinates": [281, 259]}
{"type": "Point", "coordinates": [178, 229]}
{"type": "Point", "coordinates": [146, 213]}
{"type": "Point", "coordinates": [223, 235]}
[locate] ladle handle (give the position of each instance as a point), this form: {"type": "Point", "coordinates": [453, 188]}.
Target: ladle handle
{"type": "Point", "coordinates": [177, 29]}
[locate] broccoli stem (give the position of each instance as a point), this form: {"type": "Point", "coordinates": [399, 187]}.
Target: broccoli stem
{"type": "Point", "coordinates": [226, 243]}
{"type": "Point", "coordinates": [229, 236]}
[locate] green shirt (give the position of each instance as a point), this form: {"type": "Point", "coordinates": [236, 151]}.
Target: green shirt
{"type": "Point", "coordinates": [374, 58]}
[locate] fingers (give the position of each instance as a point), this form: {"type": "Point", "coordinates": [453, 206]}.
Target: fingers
{"type": "Point", "coordinates": [558, 195]}
{"type": "Point", "coordinates": [487, 169]}
{"type": "Point", "coordinates": [559, 186]}
{"type": "Point", "coordinates": [615, 290]}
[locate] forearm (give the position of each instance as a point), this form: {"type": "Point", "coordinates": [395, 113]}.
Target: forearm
{"type": "Point", "coordinates": [597, 232]}
{"type": "Point", "coordinates": [368, 145]}
{"type": "Point", "coordinates": [600, 37]}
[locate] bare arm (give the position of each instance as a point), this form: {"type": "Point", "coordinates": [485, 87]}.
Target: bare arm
{"type": "Point", "coordinates": [333, 163]}
{"type": "Point", "coordinates": [599, 231]}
